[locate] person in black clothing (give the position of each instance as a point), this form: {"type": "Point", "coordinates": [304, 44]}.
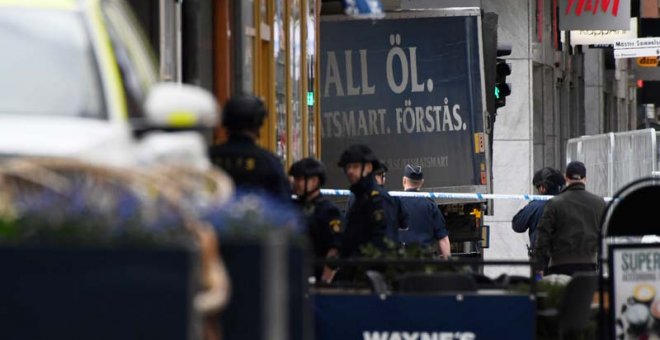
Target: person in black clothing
{"type": "Point", "coordinates": [380, 175]}
{"type": "Point", "coordinates": [374, 216]}
{"type": "Point", "coordinates": [323, 219]}
{"type": "Point", "coordinates": [567, 234]}
{"type": "Point", "coordinates": [547, 181]}
{"type": "Point", "coordinates": [252, 168]}
{"type": "Point", "coordinates": [427, 224]}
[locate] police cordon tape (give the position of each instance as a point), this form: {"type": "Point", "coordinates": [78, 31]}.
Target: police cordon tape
{"type": "Point", "coordinates": [451, 195]}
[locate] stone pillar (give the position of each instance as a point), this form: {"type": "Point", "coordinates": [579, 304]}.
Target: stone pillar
{"type": "Point", "coordinates": [513, 140]}
{"type": "Point", "coordinates": [593, 91]}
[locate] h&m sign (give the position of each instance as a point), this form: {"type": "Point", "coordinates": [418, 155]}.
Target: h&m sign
{"type": "Point", "coordinates": [594, 15]}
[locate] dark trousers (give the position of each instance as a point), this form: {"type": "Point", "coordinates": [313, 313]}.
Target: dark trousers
{"type": "Point", "coordinates": [572, 268]}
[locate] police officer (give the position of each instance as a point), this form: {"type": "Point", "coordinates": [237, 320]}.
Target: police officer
{"type": "Point", "coordinates": [547, 181]}
{"type": "Point", "coordinates": [380, 176]}
{"type": "Point", "coordinates": [374, 216]}
{"type": "Point", "coordinates": [323, 218]}
{"type": "Point", "coordinates": [252, 168]}
{"type": "Point", "coordinates": [427, 225]}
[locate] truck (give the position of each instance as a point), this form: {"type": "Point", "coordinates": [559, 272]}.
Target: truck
{"type": "Point", "coordinates": [412, 86]}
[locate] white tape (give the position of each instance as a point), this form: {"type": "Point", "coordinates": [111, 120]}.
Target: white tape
{"type": "Point", "coordinates": [451, 195]}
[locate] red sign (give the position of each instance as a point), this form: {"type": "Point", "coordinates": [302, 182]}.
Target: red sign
{"type": "Point", "coordinates": [581, 6]}
{"type": "Point", "coordinates": [594, 15]}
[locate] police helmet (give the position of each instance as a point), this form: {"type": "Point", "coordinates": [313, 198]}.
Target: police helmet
{"type": "Point", "coordinates": [381, 169]}
{"type": "Point", "coordinates": [245, 112]}
{"type": "Point", "coordinates": [358, 153]}
{"type": "Point", "coordinates": [308, 167]}
{"type": "Point", "coordinates": [548, 177]}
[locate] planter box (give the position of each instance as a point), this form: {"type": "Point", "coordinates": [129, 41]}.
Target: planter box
{"type": "Point", "coordinates": [97, 293]}
{"type": "Point", "coordinates": [268, 299]}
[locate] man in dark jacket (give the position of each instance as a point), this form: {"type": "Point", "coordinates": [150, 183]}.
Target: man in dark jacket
{"type": "Point", "coordinates": [547, 181]}
{"type": "Point", "coordinates": [380, 174]}
{"type": "Point", "coordinates": [427, 224]}
{"type": "Point", "coordinates": [252, 168]}
{"type": "Point", "coordinates": [374, 217]}
{"type": "Point", "coordinates": [568, 231]}
{"type": "Point", "coordinates": [323, 219]}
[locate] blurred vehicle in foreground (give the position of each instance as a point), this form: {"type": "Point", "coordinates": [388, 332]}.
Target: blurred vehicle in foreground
{"type": "Point", "coordinates": [78, 80]}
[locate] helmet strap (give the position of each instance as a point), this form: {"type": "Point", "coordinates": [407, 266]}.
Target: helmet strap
{"type": "Point", "coordinates": [304, 195]}
{"type": "Point", "coordinates": [307, 193]}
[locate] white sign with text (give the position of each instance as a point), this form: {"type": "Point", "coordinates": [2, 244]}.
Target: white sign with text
{"type": "Point", "coordinates": [603, 37]}
{"type": "Point", "coordinates": [636, 275]}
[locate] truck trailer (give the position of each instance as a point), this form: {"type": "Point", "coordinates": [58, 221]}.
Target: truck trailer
{"type": "Point", "coordinates": [411, 86]}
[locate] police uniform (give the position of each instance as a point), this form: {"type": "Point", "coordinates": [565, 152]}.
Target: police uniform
{"type": "Point", "coordinates": [381, 170]}
{"type": "Point", "coordinates": [529, 216]}
{"type": "Point", "coordinates": [372, 218]}
{"type": "Point", "coordinates": [374, 215]}
{"type": "Point", "coordinates": [252, 168]}
{"type": "Point", "coordinates": [325, 225]}
{"type": "Point", "coordinates": [427, 225]}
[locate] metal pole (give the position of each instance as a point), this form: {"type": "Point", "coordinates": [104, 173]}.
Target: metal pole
{"type": "Point", "coordinates": [610, 164]}
{"type": "Point", "coordinates": [276, 287]}
{"type": "Point", "coordinates": [169, 33]}
{"type": "Point", "coordinates": [179, 41]}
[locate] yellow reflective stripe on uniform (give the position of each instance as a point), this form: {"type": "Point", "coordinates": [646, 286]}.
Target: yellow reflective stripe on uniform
{"type": "Point", "coordinates": [181, 119]}
{"type": "Point", "coordinates": [335, 225]}
{"type": "Point", "coordinates": [250, 164]}
{"type": "Point", "coordinates": [108, 62]}
{"type": "Point", "coordinates": [45, 4]}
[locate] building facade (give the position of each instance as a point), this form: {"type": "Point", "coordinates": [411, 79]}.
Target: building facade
{"type": "Point", "coordinates": [264, 47]}
{"type": "Point", "coordinates": [559, 92]}
{"type": "Point", "coordinates": [270, 48]}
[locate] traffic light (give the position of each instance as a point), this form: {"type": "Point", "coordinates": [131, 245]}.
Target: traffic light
{"type": "Point", "coordinates": [502, 69]}
{"type": "Point", "coordinates": [489, 32]}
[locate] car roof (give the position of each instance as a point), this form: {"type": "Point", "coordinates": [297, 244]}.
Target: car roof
{"type": "Point", "coordinates": [60, 4]}
{"type": "Point", "coordinates": [44, 4]}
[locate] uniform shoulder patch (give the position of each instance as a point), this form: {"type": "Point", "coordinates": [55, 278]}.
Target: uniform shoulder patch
{"type": "Point", "coordinates": [335, 225]}
{"type": "Point", "coordinates": [374, 193]}
{"type": "Point", "coordinates": [378, 215]}
{"type": "Point", "coordinates": [250, 164]}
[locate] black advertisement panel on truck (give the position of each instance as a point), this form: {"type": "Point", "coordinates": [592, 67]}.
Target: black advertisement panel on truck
{"type": "Point", "coordinates": [410, 86]}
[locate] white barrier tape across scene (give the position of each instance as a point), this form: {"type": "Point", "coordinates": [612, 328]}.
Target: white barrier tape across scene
{"type": "Point", "coordinates": [450, 195]}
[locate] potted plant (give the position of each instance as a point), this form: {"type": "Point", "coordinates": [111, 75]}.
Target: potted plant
{"type": "Point", "coordinates": [264, 248]}
{"type": "Point", "coordinates": [93, 252]}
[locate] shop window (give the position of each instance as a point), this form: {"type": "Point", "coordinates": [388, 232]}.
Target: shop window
{"type": "Point", "coordinates": [296, 134]}
{"type": "Point", "coordinates": [246, 58]}
{"type": "Point", "coordinates": [279, 48]}
{"type": "Point", "coordinates": [310, 53]}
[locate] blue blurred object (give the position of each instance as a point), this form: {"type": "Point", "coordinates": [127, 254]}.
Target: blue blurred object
{"type": "Point", "coordinates": [92, 211]}
{"type": "Point", "coordinates": [364, 8]}
{"type": "Point", "coordinates": [472, 316]}
{"type": "Point", "coordinates": [257, 230]}
{"type": "Point", "coordinates": [252, 214]}
{"type": "Point", "coordinates": [103, 293]}
{"type": "Point", "coordinates": [249, 262]}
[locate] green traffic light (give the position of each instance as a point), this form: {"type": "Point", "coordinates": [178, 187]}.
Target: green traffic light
{"type": "Point", "coordinates": [497, 92]}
